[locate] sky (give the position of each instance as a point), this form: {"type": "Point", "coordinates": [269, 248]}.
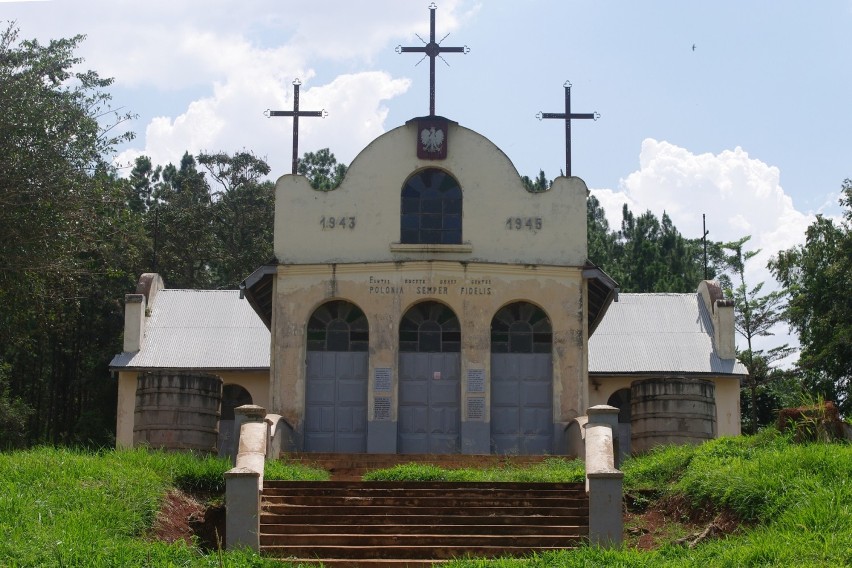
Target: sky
{"type": "Point", "coordinates": [737, 110]}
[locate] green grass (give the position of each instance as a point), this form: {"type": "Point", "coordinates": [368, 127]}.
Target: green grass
{"type": "Point", "coordinates": [552, 470]}
{"type": "Point", "coordinates": [62, 507]}
{"type": "Point", "coordinates": [69, 508]}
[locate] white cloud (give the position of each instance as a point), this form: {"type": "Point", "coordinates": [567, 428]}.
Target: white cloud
{"type": "Point", "coordinates": [232, 118]}
{"type": "Point", "coordinates": [174, 45]}
{"type": "Point", "coordinates": [740, 196]}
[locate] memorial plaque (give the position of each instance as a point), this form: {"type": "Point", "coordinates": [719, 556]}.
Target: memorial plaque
{"type": "Point", "coordinates": [382, 408]}
{"type": "Point", "coordinates": [476, 380]}
{"type": "Point", "coordinates": [475, 409]}
{"type": "Point", "coordinates": [383, 379]}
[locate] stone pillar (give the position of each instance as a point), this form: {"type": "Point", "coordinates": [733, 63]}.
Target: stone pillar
{"type": "Point", "coordinates": [242, 506]}
{"type": "Point", "coordinates": [603, 481]}
{"type": "Point", "coordinates": [243, 414]}
{"type": "Point", "coordinates": [607, 415]}
{"type": "Point", "coordinates": [606, 525]}
{"type": "Point", "coordinates": [244, 482]}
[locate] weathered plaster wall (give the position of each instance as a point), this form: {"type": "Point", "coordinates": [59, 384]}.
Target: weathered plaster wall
{"type": "Point", "coordinates": [384, 291]}
{"type": "Point", "coordinates": [502, 221]}
{"type": "Point", "coordinates": [727, 397]}
{"type": "Point", "coordinates": [126, 406]}
{"type": "Point", "coordinates": [728, 406]}
{"type": "Point", "coordinates": [255, 382]}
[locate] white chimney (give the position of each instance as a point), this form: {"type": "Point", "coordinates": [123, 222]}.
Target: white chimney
{"type": "Point", "coordinates": [721, 311]}
{"type": "Point", "coordinates": [134, 321]}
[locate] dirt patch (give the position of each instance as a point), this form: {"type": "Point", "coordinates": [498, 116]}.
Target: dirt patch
{"type": "Point", "coordinates": [673, 520]}
{"type": "Point", "coordinates": [184, 517]}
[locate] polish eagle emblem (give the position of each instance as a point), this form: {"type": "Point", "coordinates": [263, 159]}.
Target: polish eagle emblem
{"type": "Point", "coordinates": [432, 138]}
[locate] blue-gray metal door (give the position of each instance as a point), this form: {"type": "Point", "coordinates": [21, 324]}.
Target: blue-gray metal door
{"type": "Point", "coordinates": [336, 379]}
{"type": "Point", "coordinates": [429, 418]}
{"type": "Point", "coordinates": [521, 403]}
{"type": "Point", "coordinates": [521, 381]}
{"type": "Point", "coordinates": [336, 402]}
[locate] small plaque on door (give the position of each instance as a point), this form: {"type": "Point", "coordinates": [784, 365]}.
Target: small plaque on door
{"type": "Point", "coordinates": [436, 376]}
{"type": "Point", "coordinates": [382, 408]}
{"type": "Point", "coordinates": [476, 408]}
{"type": "Point", "coordinates": [476, 380]}
{"type": "Point", "coordinates": [383, 379]}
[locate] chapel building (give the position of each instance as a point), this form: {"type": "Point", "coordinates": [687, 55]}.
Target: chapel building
{"type": "Point", "coordinates": [432, 304]}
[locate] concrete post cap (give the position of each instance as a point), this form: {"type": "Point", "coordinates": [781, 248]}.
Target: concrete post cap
{"type": "Point", "coordinates": [602, 409]}
{"type": "Point", "coordinates": [606, 474]}
{"type": "Point", "coordinates": [251, 411]}
{"type": "Point", "coordinates": [241, 472]}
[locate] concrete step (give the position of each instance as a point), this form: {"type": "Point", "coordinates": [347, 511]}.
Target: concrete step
{"type": "Point", "coordinates": [402, 523]}
{"type": "Point", "coordinates": [580, 519]}
{"type": "Point", "coordinates": [433, 528]}
{"type": "Point", "coordinates": [323, 554]}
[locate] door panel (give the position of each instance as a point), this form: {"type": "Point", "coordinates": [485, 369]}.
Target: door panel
{"type": "Point", "coordinates": [521, 403]}
{"type": "Point", "coordinates": [336, 402]}
{"type": "Point", "coordinates": [429, 408]}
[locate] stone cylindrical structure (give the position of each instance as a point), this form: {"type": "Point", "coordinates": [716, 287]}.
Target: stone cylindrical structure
{"type": "Point", "coordinates": [671, 411]}
{"type": "Point", "coordinates": [177, 411]}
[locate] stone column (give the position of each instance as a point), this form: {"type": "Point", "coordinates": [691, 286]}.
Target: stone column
{"type": "Point", "coordinates": [243, 414]}
{"type": "Point", "coordinates": [603, 481]}
{"type": "Point", "coordinates": [242, 509]}
{"type": "Point", "coordinates": [244, 482]}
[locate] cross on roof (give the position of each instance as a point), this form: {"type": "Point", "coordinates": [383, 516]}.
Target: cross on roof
{"type": "Point", "coordinates": [295, 113]}
{"type": "Point", "coordinates": [567, 116]}
{"type": "Point", "coordinates": [432, 49]}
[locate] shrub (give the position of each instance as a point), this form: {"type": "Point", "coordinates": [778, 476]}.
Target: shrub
{"type": "Point", "coordinates": [818, 421]}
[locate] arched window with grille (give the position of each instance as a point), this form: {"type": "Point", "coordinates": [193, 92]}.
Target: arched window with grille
{"type": "Point", "coordinates": [431, 209]}
{"type": "Point", "coordinates": [338, 326]}
{"type": "Point", "coordinates": [521, 328]}
{"type": "Point", "coordinates": [430, 327]}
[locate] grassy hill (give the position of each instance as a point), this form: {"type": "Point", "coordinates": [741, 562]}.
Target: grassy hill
{"type": "Point", "coordinates": [792, 504]}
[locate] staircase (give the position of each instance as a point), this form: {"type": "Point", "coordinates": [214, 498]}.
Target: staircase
{"type": "Point", "coordinates": [352, 523]}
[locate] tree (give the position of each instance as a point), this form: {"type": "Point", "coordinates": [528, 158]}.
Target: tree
{"type": "Point", "coordinates": [650, 255]}
{"type": "Point", "coordinates": [243, 215]}
{"type": "Point", "coordinates": [321, 169]}
{"type": "Point", "coordinates": [755, 316]}
{"type": "Point", "coordinates": [537, 185]}
{"type": "Point", "coordinates": [817, 276]}
{"type": "Point", "coordinates": [143, 180]}
{"type": "Point", "coordinates": [71, 244]}
{"type": "Point", "coordinates": [180, 224]}
{"type": "Point", "coordinates": [600, 240]}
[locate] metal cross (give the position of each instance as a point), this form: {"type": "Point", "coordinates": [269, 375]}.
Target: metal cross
{"type": "Point", "coordinates": [567, 116]}
{"type": "Point", "coordinates": [295, 113]}
{"type": "Point", "coordinates": [432, 49]}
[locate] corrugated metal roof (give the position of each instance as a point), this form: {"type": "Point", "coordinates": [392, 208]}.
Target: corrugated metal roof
{"type": "Point", "coordinates": [200, 329]}
{"type": "Point", "coordinates": [641, 333]}
{"type": "Point", "coordinates": [662, 333]}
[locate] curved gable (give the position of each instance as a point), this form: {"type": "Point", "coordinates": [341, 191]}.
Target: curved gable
{"type": "Point", "coordinates": [360, 221]}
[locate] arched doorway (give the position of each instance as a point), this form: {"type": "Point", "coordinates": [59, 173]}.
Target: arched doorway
{"type": "Point", "coordinates": [429, 418]}
{"type": "Point", "coordinates": [521, 381]}
{"type": "Point", "coordinates": [620, 399]}
{"type": "Point", "coordinates": [336, 379]}
{"type": "Point", "coordinates": [232, 397]}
